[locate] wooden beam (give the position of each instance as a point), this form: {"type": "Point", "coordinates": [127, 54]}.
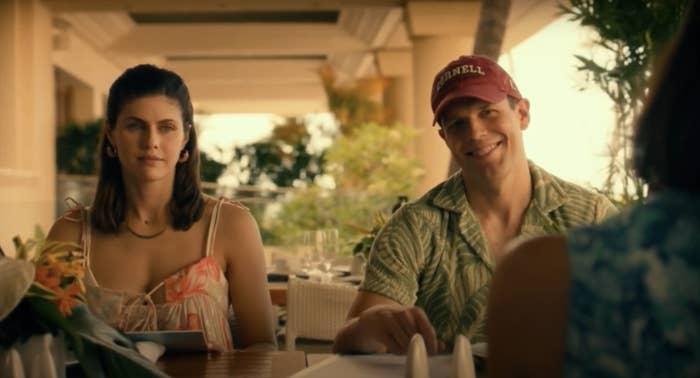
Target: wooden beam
{"type": "Point", "coordinates": [209, 5]}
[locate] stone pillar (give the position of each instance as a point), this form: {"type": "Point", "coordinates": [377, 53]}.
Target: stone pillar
{"type": "Point", "coordinates": [399, 99]}
{"type": "Point", "coordinates": [397, 65]}
{"type": "Point", "coordinates": [440, 32]}
{"type": "Point", "coordinates": [430, 54]}
{"type": "Point", "coordinates": [27, 130]}
{"type": "Point", "coordinates": [8, 68]}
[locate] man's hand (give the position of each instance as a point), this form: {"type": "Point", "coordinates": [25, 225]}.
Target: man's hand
{"type": "Point", "coordinates": [394, 325]}
{"type": "Point", "coordinates": [377, 324]}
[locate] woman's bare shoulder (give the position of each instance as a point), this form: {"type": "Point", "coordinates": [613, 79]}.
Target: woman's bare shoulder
{"type": "Point", "coordinates": [238, 228]}
{"type": "Point", "coordinates": [233, 211]}
{"type": "Point", "coordinates": [68, 227]}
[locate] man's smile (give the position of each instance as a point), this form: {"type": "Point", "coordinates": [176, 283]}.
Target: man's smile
{"type": "Point", "coordinates": [483, 151]}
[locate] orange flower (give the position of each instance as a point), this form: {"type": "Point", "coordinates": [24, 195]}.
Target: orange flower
{"type": "Point", "coordinates": [47, 277]}
{"type": "Point", "coordinates": [66, 298]}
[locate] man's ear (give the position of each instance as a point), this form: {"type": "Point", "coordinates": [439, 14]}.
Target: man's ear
{"type": "Point", "coordinates": [523, 111]}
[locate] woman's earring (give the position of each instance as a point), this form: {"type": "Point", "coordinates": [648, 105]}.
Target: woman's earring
{"type": "Point", "coordinates": [111, 151]}
{"type": "Point", "coordinates": [184, 155]}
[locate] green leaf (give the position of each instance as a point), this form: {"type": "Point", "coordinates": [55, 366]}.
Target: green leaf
{"type": "Point", "coordinates": [53, 319]}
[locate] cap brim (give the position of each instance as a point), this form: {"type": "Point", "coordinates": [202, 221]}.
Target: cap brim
{"type": "Point", "coordinates": [486, 92]}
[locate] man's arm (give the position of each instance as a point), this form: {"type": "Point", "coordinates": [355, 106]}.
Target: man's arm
{"type": "Point", "coordinates": [377, 324]}
{"type": "Point", "coordinates": [381, 318]}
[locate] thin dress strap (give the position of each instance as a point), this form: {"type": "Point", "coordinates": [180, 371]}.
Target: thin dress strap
{"type": "Point", "coordinates": [82, 217]}
{"type": "Point", "coordinates": [86, 239]}
{"type": "Point", "coordinates": [213, 223]}
{"type": "Point", "coordinates": [85, 235]}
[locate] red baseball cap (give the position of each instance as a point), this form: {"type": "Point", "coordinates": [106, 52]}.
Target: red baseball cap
{"type": "Point", "coordinates": [471, 76]}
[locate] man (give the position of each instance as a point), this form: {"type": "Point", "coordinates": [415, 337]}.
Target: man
{"type": "Point", "coordinates": [430, 266]}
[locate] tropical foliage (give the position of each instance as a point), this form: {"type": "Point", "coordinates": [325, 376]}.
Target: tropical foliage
{"type": "Point", "coordinates": [210, 169]}
{"type": "Point", "coordinates": [362, 172]}
{"type": "Point", "coordinates": [369, 168]}
{"type": "Point", "coordinates": [355, 103]}
{"type": "Point", "coordinates": [284, 158]}
{"type": "Point", "coordinates": [630, 35]}
{"type": "Point", "coordinates": [364, 245]}
{"type": "Point", "coordinates": [76, 145]}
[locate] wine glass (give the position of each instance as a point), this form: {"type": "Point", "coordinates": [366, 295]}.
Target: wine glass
{"type": "Point", "coordinates": [308, 252]}
{"type": "Point", "coordinates": [328, 252]}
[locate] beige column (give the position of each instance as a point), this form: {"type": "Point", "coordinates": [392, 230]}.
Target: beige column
{"type": "Point", "coordinates": [27, 130]}
{"type": "Point", "coordinates": [430, 54]}
{"type": "Point", "coordinates": [440, 32]}
{"type": "Point", "coordinates": [398, 99]}
{"type": "Point", "coordinates": [397, 66]}
{"type": "Point", "coordinates": [8, 67]}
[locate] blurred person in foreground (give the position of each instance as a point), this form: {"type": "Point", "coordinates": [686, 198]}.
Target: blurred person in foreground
{"type": "Point", "coordinates": [159, 254]}
{"type": "Point", "coordinates": [620, 299]}
{"type": "Point", "coordinates": [430, 267]}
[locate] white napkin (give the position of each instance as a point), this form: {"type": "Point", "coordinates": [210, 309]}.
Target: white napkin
{"type": "Point", "coordinates": [152, 351]}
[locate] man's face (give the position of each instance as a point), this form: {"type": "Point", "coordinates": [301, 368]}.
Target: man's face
{"type": "Point", "coordinates": [485, 138]}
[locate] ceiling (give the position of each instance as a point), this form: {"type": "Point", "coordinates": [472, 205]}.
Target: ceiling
{"type": "Point", "coordinates": [248, 56]}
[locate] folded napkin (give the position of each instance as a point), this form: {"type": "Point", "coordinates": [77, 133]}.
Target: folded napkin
{"type": "Point", "coordinates": [152, 351]}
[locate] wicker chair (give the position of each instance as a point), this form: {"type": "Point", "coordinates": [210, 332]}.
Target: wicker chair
{"type": "Point", "coordinates": [316, 310]}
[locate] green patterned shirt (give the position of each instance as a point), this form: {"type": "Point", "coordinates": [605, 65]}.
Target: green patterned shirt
{"type": "Point", "coordinates": [432, 252]}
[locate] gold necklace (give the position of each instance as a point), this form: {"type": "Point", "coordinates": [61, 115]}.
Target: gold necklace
{"type": "Point", "coordinates": [142, 236]}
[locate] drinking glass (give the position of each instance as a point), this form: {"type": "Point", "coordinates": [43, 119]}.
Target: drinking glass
{"type": "Point", "coordinates": [309, 252]}
{"type": "Point", "coordinates": [328, 252]}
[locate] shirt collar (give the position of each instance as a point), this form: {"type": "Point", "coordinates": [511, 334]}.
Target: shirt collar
{"type": "Point", "coordinates": [547, 192]}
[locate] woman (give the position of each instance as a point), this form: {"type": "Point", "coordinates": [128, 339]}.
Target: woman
{"type": "Point", "coordinates": [159, 254]}
{"type": "Point", "coordinates": [625, 300]}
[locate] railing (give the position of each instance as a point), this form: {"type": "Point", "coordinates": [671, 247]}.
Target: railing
{"type": "Point", "coordinates": [82, 189]}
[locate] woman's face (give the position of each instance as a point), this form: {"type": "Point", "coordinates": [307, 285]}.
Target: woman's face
{"type": "Point", "coordinates": [149, 137]}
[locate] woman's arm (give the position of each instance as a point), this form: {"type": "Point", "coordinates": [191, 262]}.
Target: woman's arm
{"type": "Point", "coordinates": [247, 277]}
{"type": "Point", "coordinates": [67, 228]}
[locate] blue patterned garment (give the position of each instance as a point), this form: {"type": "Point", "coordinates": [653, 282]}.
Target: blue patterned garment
{"type": "Point", "coordinates": [635, 294]}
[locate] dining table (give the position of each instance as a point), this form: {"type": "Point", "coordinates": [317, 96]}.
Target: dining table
{"type": "Point", "coordinates": [248, 364]}
{"type": "Point", "coordinates": [278, 293]}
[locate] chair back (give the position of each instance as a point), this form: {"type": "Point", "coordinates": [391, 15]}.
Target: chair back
{"type": "Point", "coordinates": [316, 310]}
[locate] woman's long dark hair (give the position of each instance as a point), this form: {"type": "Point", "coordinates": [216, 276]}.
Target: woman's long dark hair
{"type": "Point", "coordinates": [667, 134]}
{"type": "Point", "coordinates": [187, 203]}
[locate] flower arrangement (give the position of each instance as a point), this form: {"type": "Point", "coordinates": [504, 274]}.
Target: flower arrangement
{"type": "Point", "coordinates": [42, 292]}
